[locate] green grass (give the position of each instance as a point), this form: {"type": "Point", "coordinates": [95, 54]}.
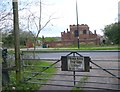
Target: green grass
{"type": "Point", "coordinates": [85, 47]}
{"type": "Point", "coordinates": [99, 48]}
{"type": "Point", "coordinates": [80, 84]}
{"type": "Point", "coordinates": [91, 47]}
{"type": "Point", "coordinates": [28, 87]}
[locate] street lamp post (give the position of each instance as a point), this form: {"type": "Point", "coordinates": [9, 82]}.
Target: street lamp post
{"type": "Point", "coordinates": [78, 40]}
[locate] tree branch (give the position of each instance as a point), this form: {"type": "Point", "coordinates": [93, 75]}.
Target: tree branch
{"type": "Point", "coordinates": [44, 26]}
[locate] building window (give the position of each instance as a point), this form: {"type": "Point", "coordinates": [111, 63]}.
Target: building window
{"type": "Point", "coordinates": [84, 32]}
{"type": "Point", "coordinates": [76, 33]}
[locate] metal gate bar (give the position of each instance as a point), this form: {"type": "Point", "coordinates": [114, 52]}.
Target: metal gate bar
{"type": "Point", "coordinates": [44, 69]}
{"type": "Point", "coordinates": [105, 70]}
{"type": "Point", "coordinates": [41, 66]}
{"type": "Point", "coordinates": [74, 53]}
{"type": "Point", "coordinates": [69, 74]}
{"type": "Point", "coordinates": [76, 71]}
{"type": "Point", "coordinates": [73, 86]}
{"type": "Point", "coordinates": [41, 59]}
{"type": "Point", "coordinates": [72, 81]}
{"type": "Point", "coordinates": [106, 60]}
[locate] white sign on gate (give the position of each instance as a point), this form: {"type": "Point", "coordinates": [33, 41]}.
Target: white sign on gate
{"type": "Point", "coordinates": [75, 63]}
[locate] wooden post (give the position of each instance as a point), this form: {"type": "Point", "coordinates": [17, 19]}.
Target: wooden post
{"type": "Point", "coordinates": [16, 39]}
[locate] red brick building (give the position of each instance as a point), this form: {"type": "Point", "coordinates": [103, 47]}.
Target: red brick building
{"type": "Point", "coordinates": [83, 33]}
{"type": "Point", "coordinates": [71, 37]}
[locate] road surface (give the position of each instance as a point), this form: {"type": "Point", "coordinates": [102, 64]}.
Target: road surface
{"type": "Point", "coordinates": [92, 55]}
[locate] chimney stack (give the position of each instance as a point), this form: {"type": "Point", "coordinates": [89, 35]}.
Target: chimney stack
{"type": "Point", "coordinates": [94, 31]}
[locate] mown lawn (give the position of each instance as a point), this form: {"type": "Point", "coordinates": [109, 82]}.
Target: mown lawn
{"type": "Point", "coordinates": [89, 48]}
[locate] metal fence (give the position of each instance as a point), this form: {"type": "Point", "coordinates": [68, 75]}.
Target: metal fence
{"type": "Point", "coordinates": [103, 75]}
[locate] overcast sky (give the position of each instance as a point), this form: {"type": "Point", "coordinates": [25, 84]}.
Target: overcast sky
{"type": "Point", "coordinates": [119, 11]}
{"type": "Point", "coordinates": [95, 13]}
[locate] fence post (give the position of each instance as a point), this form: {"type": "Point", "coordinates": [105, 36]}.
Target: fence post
{"type": "Point", "coordinates": [16, 40]}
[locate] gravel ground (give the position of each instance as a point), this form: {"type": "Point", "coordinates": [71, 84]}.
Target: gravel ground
{"type": "Point", "coordinates": [103, 73]}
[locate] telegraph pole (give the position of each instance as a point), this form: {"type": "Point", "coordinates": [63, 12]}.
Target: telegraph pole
{"type": "Point", "coordinates": [78, 41]}
{"type": "Point", "coordinates": [16, 39]}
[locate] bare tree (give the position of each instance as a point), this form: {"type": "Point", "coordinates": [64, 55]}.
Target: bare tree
{"type": "Point", "coordinates": [6, 13]}
{"type": "Point", "coordinates": [35, 22]}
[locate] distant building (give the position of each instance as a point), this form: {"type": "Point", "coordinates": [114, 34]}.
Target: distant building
{"type": "Point", "coordinates": [83, 33]}
{"type": "Point", "coordinates": [70, 38]}
{"type": "Point", "coordinates": [119, 11]}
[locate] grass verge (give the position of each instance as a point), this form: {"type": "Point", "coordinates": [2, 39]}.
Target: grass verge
{"type": "Point", "coordinates": [27, 72]}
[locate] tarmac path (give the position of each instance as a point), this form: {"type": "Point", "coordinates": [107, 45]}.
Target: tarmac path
{"type": "Point", "coordinates": [93, 72]}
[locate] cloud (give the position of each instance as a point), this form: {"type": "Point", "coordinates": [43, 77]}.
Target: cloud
{"type": "Point", "coordinates": [95, 13]}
